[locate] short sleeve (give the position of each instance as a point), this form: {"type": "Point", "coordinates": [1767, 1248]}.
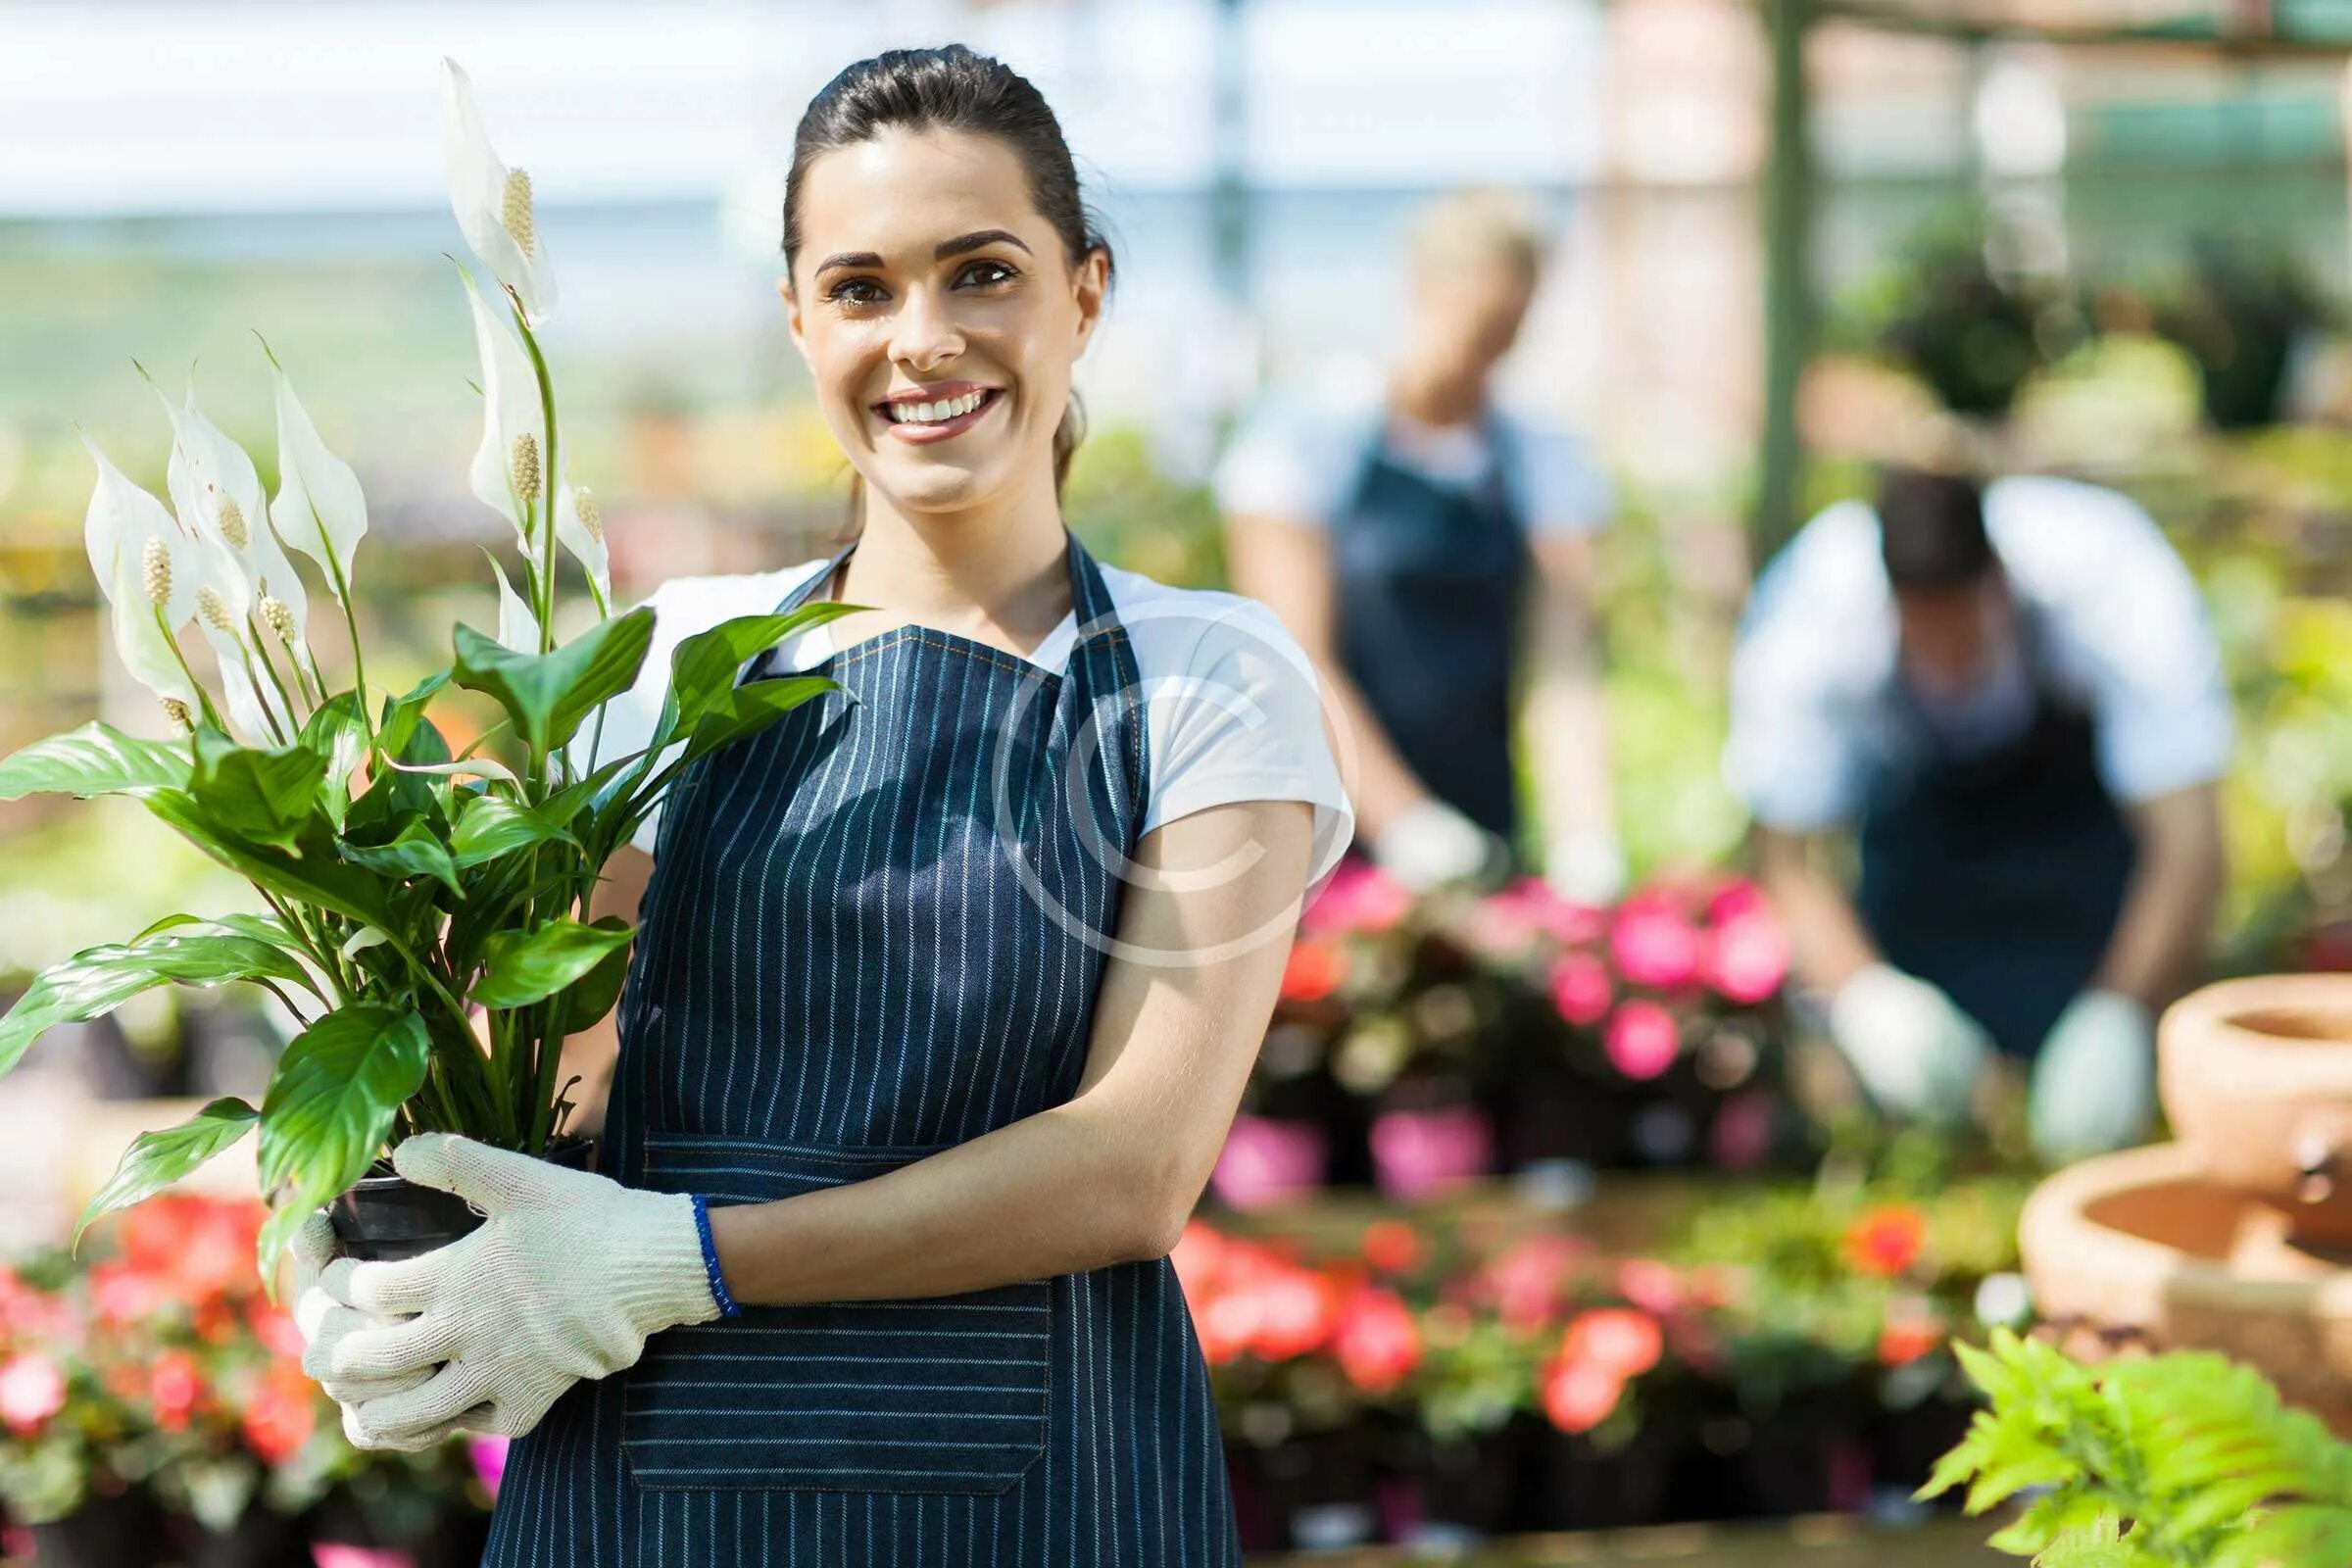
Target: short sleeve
{"type": "Point", "coordinates": [1562, 485]}
{"type": "Point", "coordinates": [2129, 629]}
{"type": "Point", "coordinates": [1813, 643]}
{"type": "Point", "coordinates": [1289, 462]}
{"type": "Point", "coordinates": [682, 607]}
{"type": "Point", "coordinates": [1234, 712]}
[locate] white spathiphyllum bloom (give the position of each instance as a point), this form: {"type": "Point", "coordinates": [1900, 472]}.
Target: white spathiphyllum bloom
{"type": "Point", "coordinates": [513, 422]}
{"type": "Point", "coordinates": [135, 550]}
{"type": "Point", "coordinates": [492, 202]}
{"type": "Point", "coordinates": [517, 627]}
{"type": "Point", "coordinates": [320, 507]}
{"type": "Point", "coordinates": [580, 530]}
{"type": "Point", "coordinates": [218, 495]}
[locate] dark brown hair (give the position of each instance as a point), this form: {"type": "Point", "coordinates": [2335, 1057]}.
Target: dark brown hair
{"type": "Point", "coordinates": [953, 88]}
{"type": "Point", "coordinates": [1932, 531]}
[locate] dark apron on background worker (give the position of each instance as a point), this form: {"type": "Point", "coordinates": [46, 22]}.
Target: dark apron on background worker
{"type": "Point", "coordinates": [1998, 877]}
{"type": "Point", "coordinates": [876, 931]}
{"type": "Point", "coordinates": [1430, 584]}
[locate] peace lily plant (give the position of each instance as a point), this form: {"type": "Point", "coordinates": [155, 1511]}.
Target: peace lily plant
{"type": "Point", "coordinates": [427, 916]}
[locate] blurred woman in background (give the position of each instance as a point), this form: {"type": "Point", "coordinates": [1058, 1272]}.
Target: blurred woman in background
{"type": "Point", "coordinates": [1433, 552]}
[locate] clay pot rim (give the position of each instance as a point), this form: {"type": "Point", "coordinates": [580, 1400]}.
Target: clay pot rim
{"type": "Point", "coordinates": [2056, 1216]}
{"type": "Point", "coordinates": [2197, 1030]}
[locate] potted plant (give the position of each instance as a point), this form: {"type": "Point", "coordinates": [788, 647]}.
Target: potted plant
{"type": "Point", "coordinates": [423, 914]}
{"type": "Point", "coordinates": [2240, 314]}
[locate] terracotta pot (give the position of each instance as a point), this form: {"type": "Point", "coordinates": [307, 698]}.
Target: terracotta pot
{"type": "Point", "coordinates": [2257, 1078]}
{"type": "Point", "coordinates": [2140, 1247]}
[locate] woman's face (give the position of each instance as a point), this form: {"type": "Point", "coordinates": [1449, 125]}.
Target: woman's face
{"type": "Point", "coordinates": [940, 316]}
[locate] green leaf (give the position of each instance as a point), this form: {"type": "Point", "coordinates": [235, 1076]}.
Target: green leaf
{"type": "Point", "coordinates": [702, 670]}
{"type": "Point", "coordinates": [521, 968]}
{"type": "Point", "coordinates": [157, 1160]}
{"type": "Point", "coordinates": [746, 710]}
{"type": "Point", "coordinates": [256, 793]}
{"type": "Point", "coordinates": [491, 827]}
{"type": "Point", "coordinates": [403, 713]}
{"type": "Point", "coordinates": [593, 997]}
{"type": "Point", "coordinates": [547, 695]}
{"type": "Point", "coordinates": [317, 877]}
{"type": "Point", "coordinates": [337, 732]}
{"type": "Point", "coordinates": [98, 980]}
{"type": "Point", "coordinates": [414, 853]}
{"type": "Point", "coordinates": [95, 760]}
{"type": "Point", "coordinates": [334, 1095]}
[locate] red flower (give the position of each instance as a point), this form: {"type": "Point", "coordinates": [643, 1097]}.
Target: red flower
{"type": "Point", "coordinates": [1198, 1256]}
{"type": "Point", "coordinates": [1653, 944]}
{"type": "Point", "coordinates": [33, 1389]}
{"type": "Point", "coordinates": [1626, 1341]}
{"type": "Point", "coordinates": [281, 1415]}
{"type": "Point", "coordinates": [1643, 1040]}
{"type": "Point", "coordinates": [1887, 1242]}
{"type": "Point", "coordinates": [277, 1329]}
{"type": "Point", "coordinates": [1391, 1245]}
{"type": "Point", "coordinates": [175, 1385]}
{"type": "Point", "coordinates": [1524, 1282]}
{"type": "Point", "coordinates": [1356, 897]}
{"type": "Point", "coordinates": [1377, 1342]}
{"type": "Point", "coordinates": [1900, 1344]}
{"type": "Point", "coordinates": [122, 1296]}
{"type": "Point", "coordinates": [1579, 1395]}
{"type": "Point", "coordinates": [1655, 1288]}
{"type": "Point", "coordinates": [1748, 958]}
{"type": "Point", "coordinates": [1314, 970]}
{"type": "Point", "coordinates": [1581, 988]}
{"type": "Point", "coordinates": [1295, 1314]}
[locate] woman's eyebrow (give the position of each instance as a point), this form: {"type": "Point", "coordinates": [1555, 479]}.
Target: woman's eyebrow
{"type": "Point", "coordinates": [849, 259]}
{"type": "Point", "coordinates": [976, 239]}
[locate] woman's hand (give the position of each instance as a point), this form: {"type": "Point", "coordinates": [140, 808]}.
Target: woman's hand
{"type": "Point", "coordinates": [325, 1323]}
{"type": "Point", "coordinates": [566, 1276]}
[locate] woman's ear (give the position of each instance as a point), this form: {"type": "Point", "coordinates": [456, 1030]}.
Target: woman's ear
{"type": "Point", "coordinates": [792, 314]}
{"type": "Point", "coordinates": [1090, 283]}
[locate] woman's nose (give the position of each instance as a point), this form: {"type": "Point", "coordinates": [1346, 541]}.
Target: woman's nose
{"type": "Point", "coordinates": [926, 334]}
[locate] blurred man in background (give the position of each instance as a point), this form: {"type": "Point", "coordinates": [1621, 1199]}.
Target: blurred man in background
{"type": "Point", "coordinates": [1434, 554]}
{"type": "Point", "coordinates": [2012, 699]}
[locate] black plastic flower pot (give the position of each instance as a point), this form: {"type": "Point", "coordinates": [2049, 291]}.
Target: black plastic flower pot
{"type": "Point", "coordinates": [262, 1538]}
{"type": "Point", "coordinates": [387, 1217]}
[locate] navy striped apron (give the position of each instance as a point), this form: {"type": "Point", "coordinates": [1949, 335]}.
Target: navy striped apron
{"type": "Point", "coordinates": [875, 931]}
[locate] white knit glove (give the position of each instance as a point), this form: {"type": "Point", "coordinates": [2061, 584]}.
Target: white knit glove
{"type": "Point", "coordinates": [1430, 844]}
{"type": "Point", "coordinates": [565, 1279]}
{"type": "Point", "coordinates": [1916, 1053]}
{"type": "Point", "coordinates": [2094, 1081]}
{"type": "Point", "coordinates": [1586, 867]}
{"type": "Point", "coordinates": [326, 1321]}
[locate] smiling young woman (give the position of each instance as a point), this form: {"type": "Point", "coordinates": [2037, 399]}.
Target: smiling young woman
{"type": "Point", "coordinates": [946, 987]}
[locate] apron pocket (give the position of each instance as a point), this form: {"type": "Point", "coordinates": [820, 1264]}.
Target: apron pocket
{"type": "Point", "coordinates": [945, 1394]}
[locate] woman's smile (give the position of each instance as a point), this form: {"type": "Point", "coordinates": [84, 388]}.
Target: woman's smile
{"type": "Point", "coordinates": [922, 416]}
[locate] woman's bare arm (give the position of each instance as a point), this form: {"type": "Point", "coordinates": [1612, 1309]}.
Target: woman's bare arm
{"type": "Point", "coordinates": [590, 1053]}
{"type": "Point", "coordinates": [1111, 1175]}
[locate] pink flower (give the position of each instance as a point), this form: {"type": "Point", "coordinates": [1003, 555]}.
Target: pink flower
{"type": "Point", "coordinates": [33, 1389]}
{"type": "Point", "coordinates": [1655, 1288]}
{"type": "Point", "coordinates": [1626, 1341]}
{"type": "Point", "coordinates": [1653, 944]}
{"type": "Point", "coordinates": [1736, 900]}
{"type": "Point", "coordinates": [1579, 1395]}
{"type": "Point", "coordinates": [1643, 1040]}
{"type": "Point", "coordinates": [1581, 988]}
{"type": "Point", "coordinates": [1530, 908]}
{"type": "Point", "coordinates": [1377, 1342]}
{"type": "Point", "coordinates": [488, 1451]}
{"type": "Point", "coordinates": [1356, 897]}
{"type": "Point", "coordinates": [1748, 958]}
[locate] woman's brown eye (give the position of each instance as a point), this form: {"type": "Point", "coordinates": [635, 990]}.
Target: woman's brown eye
{"type": "Point", "coordinates": [854, 291]}
{"type": "Point", "coordinates": [983, 273]}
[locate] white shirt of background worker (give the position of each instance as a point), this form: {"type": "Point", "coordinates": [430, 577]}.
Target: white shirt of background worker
{"type": "Point", "coordinates": [1289, 481]}
{"type": "Point", "coordinates": [2120, 630]}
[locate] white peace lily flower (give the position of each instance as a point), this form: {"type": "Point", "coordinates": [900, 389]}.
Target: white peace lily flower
{"type": "Point", "coordinates": [580, 530]}
{"type": "Point", "coordinates": [320, 507]}
{"type": "Point", "coordinates": [517, 627]}
{"type": "Point", "coordinates": [135, 549]}
{"type": "Point", "coordinates": [512, 422]}
{"type": "Point", "coordinates": [219, 494]}
{"type": "Point", "coordinates": [492, 202]}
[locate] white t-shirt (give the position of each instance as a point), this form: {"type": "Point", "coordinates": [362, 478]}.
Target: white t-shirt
{"type": "Point", "coordinates": [1300, 458]}
{"type": "Point", "coordinates": [1232, 708]}
{"type": "Point", "coordinates": [2125, 633]}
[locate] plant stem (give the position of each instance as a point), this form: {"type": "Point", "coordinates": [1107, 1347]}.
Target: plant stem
{"type": "Point", "coordinates": [261, 647]}
{"type": "Point", "coordinates": [351, 623]}
{"type": "Point", "coordinates": [547, 477]}
{"type": "Point", "coordinates": [301, 932]}
{"type": "Point", "coordinates": [203, 701]}
{"type": "Point", "coordinates": [269, 715]}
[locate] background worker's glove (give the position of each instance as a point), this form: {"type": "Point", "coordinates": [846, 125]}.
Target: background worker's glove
{"type": "Point", "coordinates": [2094, 1081]}
{"type": "Point", "coordinates": [1428, 844]}
{"type": "Point", "coordinates": [1916, 1053]}
{"type": "Point", "coordinates": [565, 1279]}
{"type": "Point", "coordinates": [324, 1321]}
{"type": "Point", "coordinates": [1586, 867]}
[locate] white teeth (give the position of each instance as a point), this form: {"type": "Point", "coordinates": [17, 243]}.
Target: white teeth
{"type": "Point", "coordinates": [934, 412]}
